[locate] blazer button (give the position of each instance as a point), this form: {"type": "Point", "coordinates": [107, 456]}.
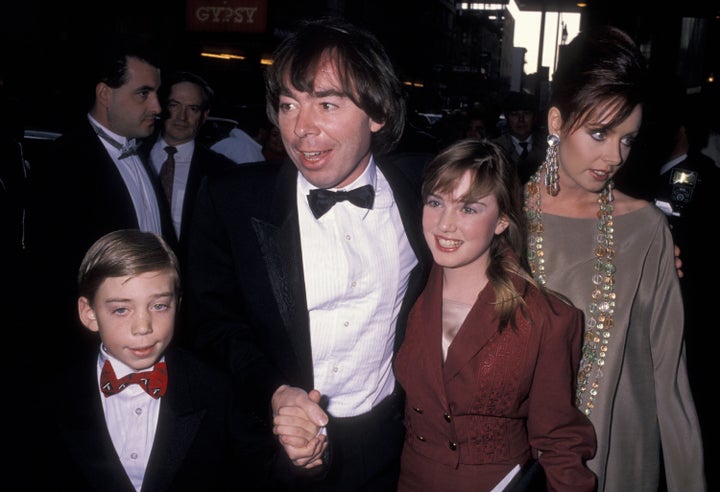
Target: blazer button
{"type": "Point", "coordinates": [421, 438]}
{"type": "Point", "coordinates": [447, 416]}
{"type": "Point", "coordinates": [418, 409]}
{"type": "Point", "coordinates": [452, 446]}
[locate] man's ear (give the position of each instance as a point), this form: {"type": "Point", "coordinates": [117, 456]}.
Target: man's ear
{"type": "Point", "coordinates": [87, 314]}
{"type": "Point", "coordinates": [102, 94]}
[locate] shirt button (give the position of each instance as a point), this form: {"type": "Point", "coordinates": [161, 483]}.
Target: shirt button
{"type": "Point", "coordinates": [448, 418]}
{"type": "Point", "coordinates": [418, 409]}
{"type": "Point", "coordinates": [138, 411]}
{"type": "Point", "coordinates": [348, 237]}
{"type": "Point", "coordinates": [133, 456]}
{"type": "Point", "coordinates": [346, 324]}
{"type": "Point", "coordinates": [354, 284]}
{"type": "Point", "coordinates": [452, 446]}
{"type": "Point", "coordinates": [335, 369]}
{"type": "Point", "coordinates": [421, 438]}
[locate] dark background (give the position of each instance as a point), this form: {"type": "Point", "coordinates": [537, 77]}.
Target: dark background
{"type": "Point", "coordinates": [44, 46]}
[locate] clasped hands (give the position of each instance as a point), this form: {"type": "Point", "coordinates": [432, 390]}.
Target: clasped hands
{"type": "Point", "coordinates": [299, 422]}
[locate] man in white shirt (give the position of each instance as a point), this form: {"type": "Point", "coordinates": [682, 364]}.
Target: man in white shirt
{"type": "Point", "coordinates": [302, 271]}
{"type": "Point", "coordinates": [187, 99]}
{"type": "Point", "coordinates": [94, 181]}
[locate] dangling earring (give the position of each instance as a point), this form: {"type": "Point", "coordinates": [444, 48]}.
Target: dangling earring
{"type": "Point", "coordinates": [551, 165]}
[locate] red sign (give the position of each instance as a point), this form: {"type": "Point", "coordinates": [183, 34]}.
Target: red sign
{"type": "Point", "coordinates": [226, 15]}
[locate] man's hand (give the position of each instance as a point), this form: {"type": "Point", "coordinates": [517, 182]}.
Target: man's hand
{"type": "Point", "coordinates": [299, 421]}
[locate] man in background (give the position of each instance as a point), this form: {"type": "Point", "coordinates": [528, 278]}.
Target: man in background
{"type": "Point", "coordinates": [178, 158]}
{"type": "Point", "coordinates": [523, 143]}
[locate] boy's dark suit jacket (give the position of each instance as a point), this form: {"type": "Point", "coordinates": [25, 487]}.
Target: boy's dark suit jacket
{"type": "Point", "coordinates": [77, 196]}
{"type": "Point", "coordinates": [245, 292]}
{"type": "Point", "coordinates": [71, 449]}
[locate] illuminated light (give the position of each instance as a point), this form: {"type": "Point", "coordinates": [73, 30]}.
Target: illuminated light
{"type": "Point", "coordinates": [582, 5]}
{"type": "Point", "coordinates": [266, 61]}
{"type": "Point", "coordinates": [222, 56]}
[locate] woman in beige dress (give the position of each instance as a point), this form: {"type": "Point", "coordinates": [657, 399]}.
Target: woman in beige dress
{"type": "Point", "coordinates": [612, 255]}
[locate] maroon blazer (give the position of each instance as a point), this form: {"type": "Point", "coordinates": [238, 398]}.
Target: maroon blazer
{"type": "Point", "coordinates": [499, 399]}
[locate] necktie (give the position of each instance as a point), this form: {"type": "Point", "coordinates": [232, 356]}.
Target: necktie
{"type": "Point", "coordinates": [167, 172]}
{"type": "Point", "coordinates": [322, 200]}
{"type": "Point", "coordinates": [125, 150]}
{"type": "Point", "coordinates": [154, 382]}
{"type": "Point", "coordinates": [524, 153]}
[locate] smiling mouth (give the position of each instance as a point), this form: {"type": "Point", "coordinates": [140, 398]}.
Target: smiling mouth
{"type": "Point", "coordinates": [448, 243]}
{"type": "Point", "coordinates": [313, 156]}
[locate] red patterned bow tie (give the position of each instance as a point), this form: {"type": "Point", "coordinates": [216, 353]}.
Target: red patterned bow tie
{"type": "Point", "coordinates": [154, 382]}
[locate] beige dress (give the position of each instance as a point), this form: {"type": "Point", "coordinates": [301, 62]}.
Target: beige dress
{"type": "Point", "coordinates": [644, 397]}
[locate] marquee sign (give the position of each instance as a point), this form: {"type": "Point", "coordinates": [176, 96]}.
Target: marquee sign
{"type": "Point", "coordinates": [226, 15]}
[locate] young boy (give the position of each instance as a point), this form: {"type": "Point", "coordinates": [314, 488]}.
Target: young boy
{"type": "Point", "coordinates": [168, 428]}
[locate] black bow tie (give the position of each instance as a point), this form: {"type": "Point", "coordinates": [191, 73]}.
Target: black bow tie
{"type": "Point", "coordinates": [322, 200]}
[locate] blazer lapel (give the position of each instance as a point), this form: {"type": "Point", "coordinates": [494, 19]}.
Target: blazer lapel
{"type": "Point", "coordinates": [478, 329]}
{"type": "Point", "coordinates": [431, 329]}
{"type": "Point", "coordinates": [195, 175]}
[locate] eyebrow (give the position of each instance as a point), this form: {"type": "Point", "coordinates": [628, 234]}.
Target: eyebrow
{"type": "Point", "coordinates": [329, 93]}
{"type": "Point", "coordinates": [145, 88]}
{"type": "Point", "coordinates": [154, 297]}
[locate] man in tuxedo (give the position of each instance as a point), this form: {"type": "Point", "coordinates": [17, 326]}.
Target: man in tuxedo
{"type": "Point", "coordinates": [305, 300]}
{"type": "Point", "coordinates": [94, 182]}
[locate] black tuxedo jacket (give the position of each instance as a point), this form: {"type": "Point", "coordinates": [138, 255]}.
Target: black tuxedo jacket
{"type": "Point", "coordinates": [70, 449]}
{"type": "Point", "coordinates": [245, 288]}
{"type": "Point", "coordinates": [77, 195]}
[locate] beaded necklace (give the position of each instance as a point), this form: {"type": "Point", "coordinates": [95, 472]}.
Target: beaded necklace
{"type": "Point", "coordinates": [599, 313]}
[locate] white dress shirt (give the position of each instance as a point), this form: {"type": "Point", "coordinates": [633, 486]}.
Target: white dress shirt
{"type": "Point", "coordinates": [519, 148]}
{"type": "Point", "coordinates": [136, 180]}
{"type": "Point", "coordinates": [183, 157]}
{"type": "Point", "coordinates": [131, 417]}
{"type": "Point", "coordinates": [357, 263]}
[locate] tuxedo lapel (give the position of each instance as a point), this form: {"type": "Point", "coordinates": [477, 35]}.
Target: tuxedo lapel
{"type": "Point", "coordinates": [406, 192]}
{"type": "Point", "coordinates": [82, 425]}
{"type": "Point", "coordinates": [178, 423]}
{"type": "Point", "coordinates": [408, 199]}
{"type": "Point", "coordinates": [279, 239]}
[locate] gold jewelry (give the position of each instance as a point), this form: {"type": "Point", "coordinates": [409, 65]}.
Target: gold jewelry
{"type": "Point", "coordinates": [551, 165]}
{"type": "Point", "coordinates": [599, 314]}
